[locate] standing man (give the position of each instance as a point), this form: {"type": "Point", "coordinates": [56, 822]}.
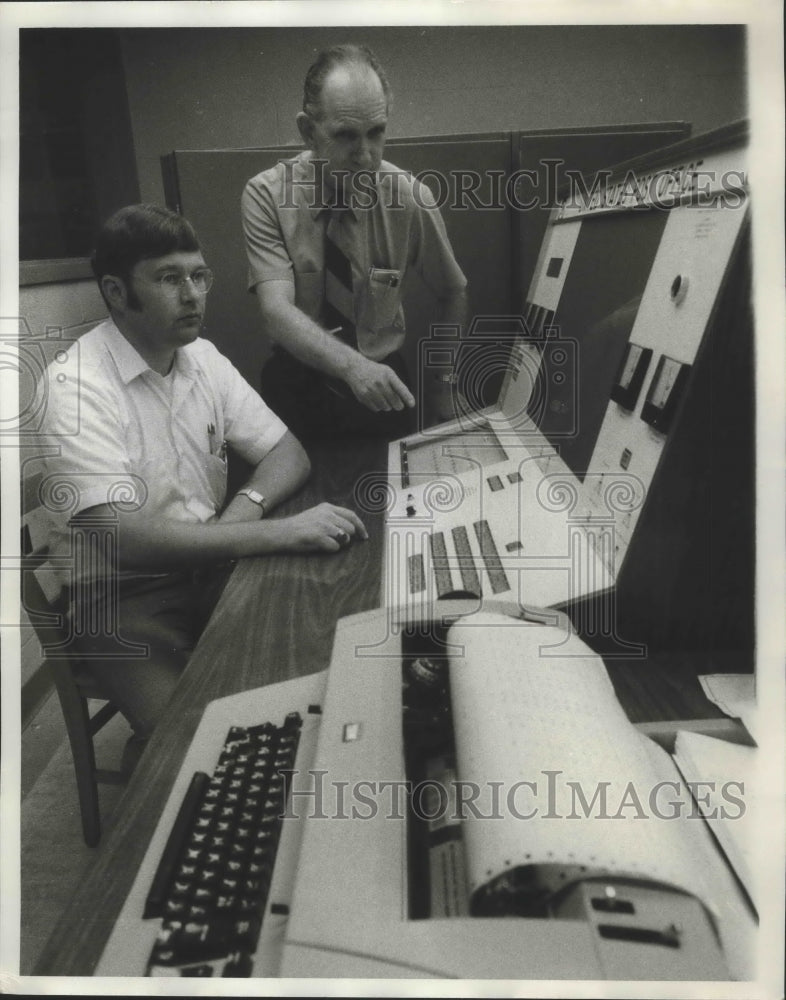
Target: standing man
{"type": "Point", "coordinates": [331, 235]}
{"type": "Point", "coordinates": [156, 409]}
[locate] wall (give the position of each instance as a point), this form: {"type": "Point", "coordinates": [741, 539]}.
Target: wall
{"type": "Point", "coordinates": [234, 87]}
{"type": "Point", "coordinates": [76, 155]}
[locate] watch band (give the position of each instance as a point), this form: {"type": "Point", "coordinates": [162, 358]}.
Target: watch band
{"type": "Point", "coordinates": [254, 497]}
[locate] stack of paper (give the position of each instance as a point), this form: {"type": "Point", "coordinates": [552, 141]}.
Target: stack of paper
{"type": "Point", "coordinates": [734, 694]}
{"type": "Point", "coordinates": [728, 772]}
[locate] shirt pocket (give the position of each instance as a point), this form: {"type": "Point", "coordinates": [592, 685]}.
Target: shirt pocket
{"type": "Point", "coordinates": [216, 473]}
{"type": "Point", "coordinates": [380, 300]}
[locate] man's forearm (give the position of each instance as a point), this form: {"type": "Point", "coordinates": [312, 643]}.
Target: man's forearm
{"type": "Point", "coordinates": [280, 474]}
{"type": "Point", "coordinates": [174, 545]}
{"type": "Point", "coordinates": [373, 383]}
{"type": "Point", "coordinates": [166, 545]}
{"type": "Point", "coordinates": [287, 325]}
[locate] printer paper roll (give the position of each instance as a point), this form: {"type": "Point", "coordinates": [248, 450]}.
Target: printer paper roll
{"type": "Point", "coordinates": [563, 780]}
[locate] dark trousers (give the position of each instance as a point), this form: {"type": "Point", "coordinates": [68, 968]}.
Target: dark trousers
{"type": "Point", "coordinates": [316, 408]}
{"type": "Point", "coordinates": [163, 616]}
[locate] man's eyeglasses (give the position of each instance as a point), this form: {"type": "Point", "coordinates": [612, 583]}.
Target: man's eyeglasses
{"type": "Point", "coordinates": [171, 282]}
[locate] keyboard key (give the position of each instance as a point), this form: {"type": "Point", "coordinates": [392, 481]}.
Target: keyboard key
{"type": "Point", "coordinates": [239, 966]}
{"type": "Point", "coordinates": [239, 852]}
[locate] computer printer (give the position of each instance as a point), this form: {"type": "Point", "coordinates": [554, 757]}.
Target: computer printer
{"type": "Point", "coordinates": [469, 800]}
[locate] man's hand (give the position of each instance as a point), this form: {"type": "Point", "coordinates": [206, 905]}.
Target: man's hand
{"type": "Point", "coordinates": [325, 528]}
{"type": "Point", "coordinates": [374, 385]}
{"type": "Point", "coordinates": [377, 386]}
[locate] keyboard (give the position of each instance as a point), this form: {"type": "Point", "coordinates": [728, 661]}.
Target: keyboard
{"type": "Point", "coordinates": [212, 895]}
{"type": "Point", "coordinates": [212, 882]}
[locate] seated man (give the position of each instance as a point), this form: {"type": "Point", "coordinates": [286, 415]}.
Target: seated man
{"type": "Point", "coordinates": [331, 237]}
{"type": "Point", "coordinates": [156, 408]}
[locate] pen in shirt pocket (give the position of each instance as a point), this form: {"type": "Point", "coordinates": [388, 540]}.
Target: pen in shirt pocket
{"type": "Point", "coordinates": [221, 452]}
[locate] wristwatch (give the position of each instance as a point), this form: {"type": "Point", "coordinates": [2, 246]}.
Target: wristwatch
{"type": "Point", "coordinates": [254, 497]}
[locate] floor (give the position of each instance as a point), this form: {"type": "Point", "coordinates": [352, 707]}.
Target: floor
{"type": "Point", "coordinates": [53, 854]}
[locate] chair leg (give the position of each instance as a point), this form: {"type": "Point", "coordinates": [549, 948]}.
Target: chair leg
{"type": "Point", "coordinates": [77, 718]}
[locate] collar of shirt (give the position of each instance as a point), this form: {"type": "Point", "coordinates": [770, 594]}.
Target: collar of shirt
{"type": "Point", "coordinates": [304, 176]}
{"type": "Point", "coordinates": [129, 362]}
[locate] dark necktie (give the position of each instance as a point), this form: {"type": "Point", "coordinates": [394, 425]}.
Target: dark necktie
{"type": "Point", "coordinates": [339, 310]}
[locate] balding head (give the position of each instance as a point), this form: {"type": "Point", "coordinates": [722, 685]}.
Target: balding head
{"type": "Point", "coordinates": [346, 126]}
{"type": "Point", "coordinates": [340, 60]}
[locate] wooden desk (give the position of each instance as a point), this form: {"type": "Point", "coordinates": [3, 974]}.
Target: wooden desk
{"type": "Point", "coordinates": [276, 620]}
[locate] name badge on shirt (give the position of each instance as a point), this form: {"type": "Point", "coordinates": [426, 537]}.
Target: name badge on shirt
{"type": "Point", "coordinates": [382, 299]}
{"type": "Point", "coordinates": [384, 276]}
{"type": "Point", "coordinates": [380, 317]}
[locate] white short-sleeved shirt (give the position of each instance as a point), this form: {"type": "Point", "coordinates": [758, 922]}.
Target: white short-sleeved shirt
{"type": "Point", "coordinates": [124, 432]}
